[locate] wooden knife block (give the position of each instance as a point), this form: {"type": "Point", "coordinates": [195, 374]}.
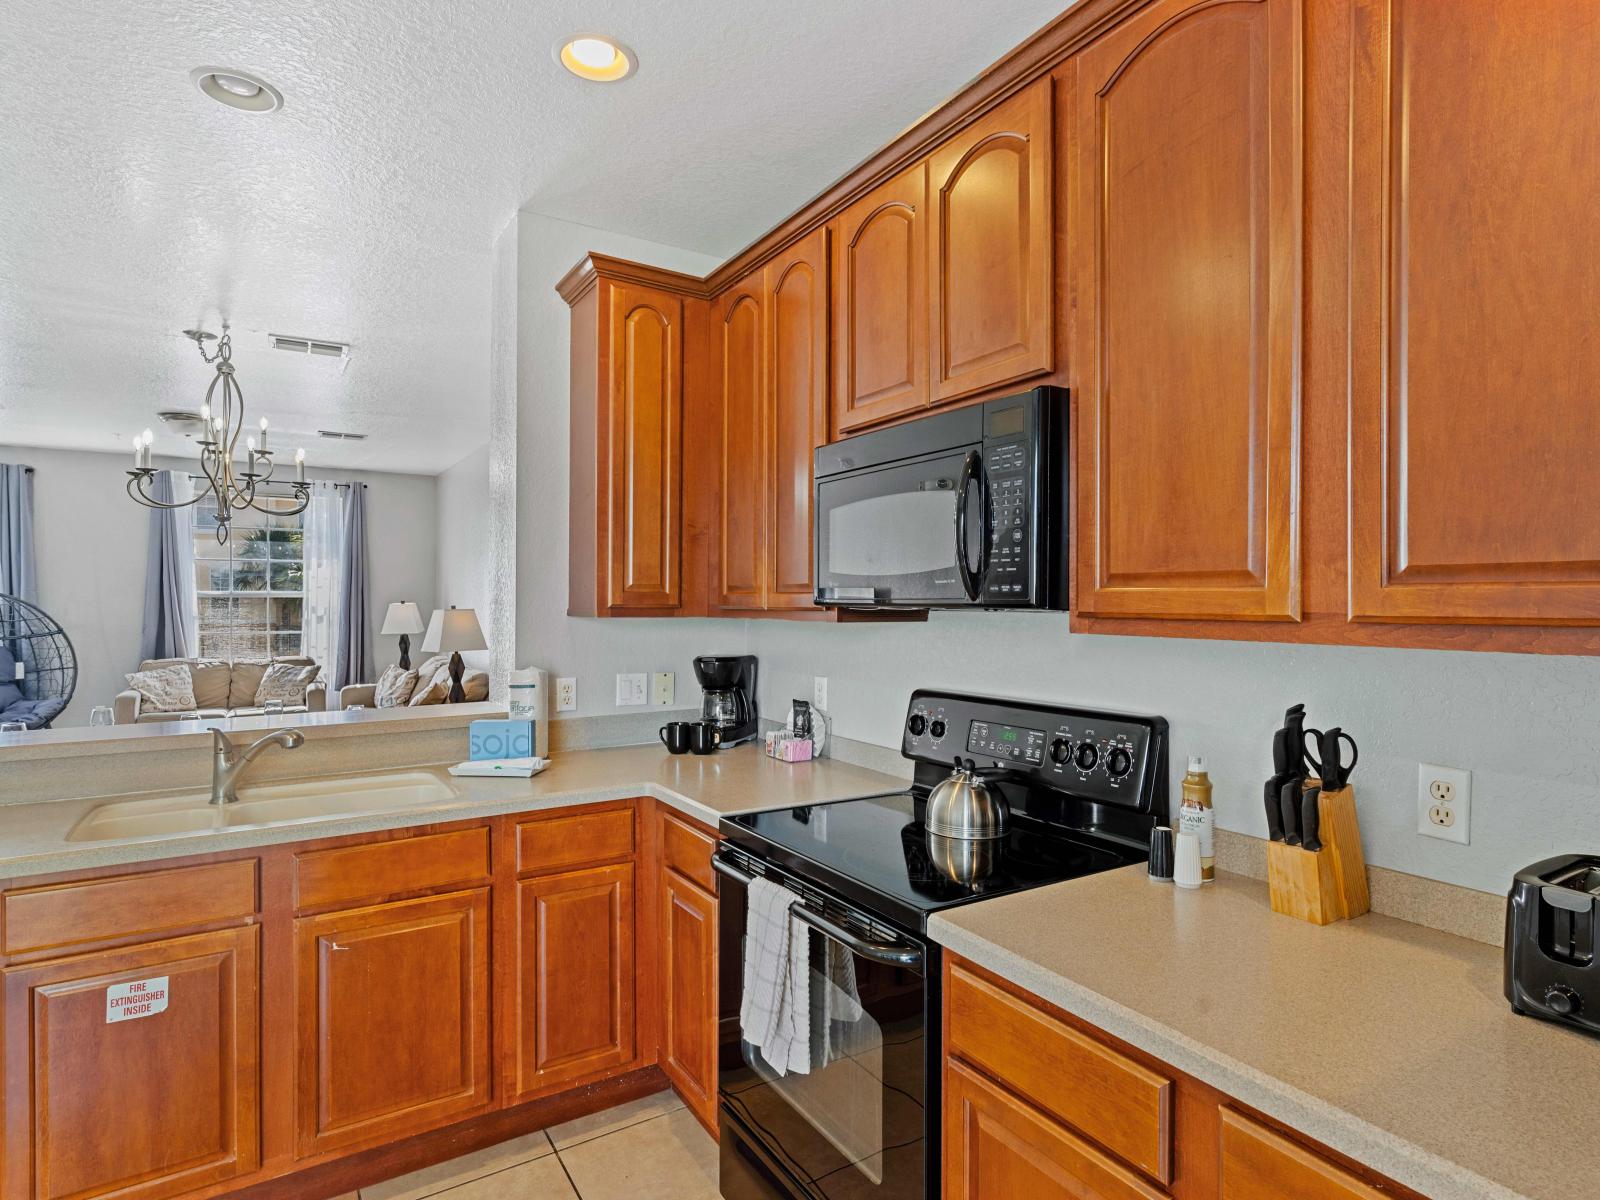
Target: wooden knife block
{"type": "Point", "coordinates": [1329, 884]}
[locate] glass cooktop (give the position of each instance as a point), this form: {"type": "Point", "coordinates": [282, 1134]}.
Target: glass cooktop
{"type": "Point", "coordinates": [880, 844]}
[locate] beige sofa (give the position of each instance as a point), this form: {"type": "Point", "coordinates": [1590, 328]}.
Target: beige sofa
{"type": "Point", "coordinates": [474, 683]}
{"type": "Point", "coordinates": [221, 689]}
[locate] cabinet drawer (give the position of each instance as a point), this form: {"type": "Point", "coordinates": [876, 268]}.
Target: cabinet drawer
{"type": "Point", "coordinates": [1261, 1164]}
{"type": "Point", "coordinates": [584, 839]}
{"type": "Point", "coordinates": [120, 906]}
{"type": "Point", "coordinates": [1120, 1104]}
{"type": "Point", "coordinates": [688, 851]}
{"type": "Point", "coordinates": [348, 875]}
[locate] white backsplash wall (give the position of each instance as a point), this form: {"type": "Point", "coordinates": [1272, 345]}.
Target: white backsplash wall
{"type": "Point", "coordinates": [1525, 725]}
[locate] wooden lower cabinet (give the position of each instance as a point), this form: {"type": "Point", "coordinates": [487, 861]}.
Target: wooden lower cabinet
{"type": "Point", "coordinates": [1259, 1163]}
{"type": "Point", "coordinates": [392, 1019]}
{"type": "Point", "coordinates": [575, 975]}
{"type": "Point", "coordinates": [689, 993]}
{"type": "Point", "coordinates": [159, 1103]}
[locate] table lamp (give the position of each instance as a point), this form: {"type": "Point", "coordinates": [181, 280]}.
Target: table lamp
{"type": "Point", "coordinates": [404, 618]}
{"type": "Point", "coordinates": [454, 629]}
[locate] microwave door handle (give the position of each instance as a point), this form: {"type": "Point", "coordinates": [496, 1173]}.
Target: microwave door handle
{"type": "Point", "coordinates": [986, 541]}
{"type": "Point", "coordinates": [969, 581]}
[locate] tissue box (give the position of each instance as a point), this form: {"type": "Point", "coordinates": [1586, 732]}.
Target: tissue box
{"type": "Point", "coordinates": [500, 739]}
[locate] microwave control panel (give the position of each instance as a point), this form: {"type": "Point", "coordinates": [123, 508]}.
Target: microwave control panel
{"type": "Point", "coordinates": [1011, 521]}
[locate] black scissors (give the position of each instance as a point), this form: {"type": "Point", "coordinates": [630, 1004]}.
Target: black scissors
{"type": "Point", "coordinates": [1327, 757]}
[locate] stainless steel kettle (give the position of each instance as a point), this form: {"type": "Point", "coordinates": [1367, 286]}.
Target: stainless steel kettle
{"type": "Point", "coordinates": [962, 806]}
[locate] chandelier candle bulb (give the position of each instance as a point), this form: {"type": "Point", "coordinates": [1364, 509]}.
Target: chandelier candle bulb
{"type": "Point", "coordinates": [300, 465]}
{"type": "Point", "coordinates": [263, 435]}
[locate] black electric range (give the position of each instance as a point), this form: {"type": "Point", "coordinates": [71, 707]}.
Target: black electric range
{"type": "Point", "coordinates": [1084, 789]}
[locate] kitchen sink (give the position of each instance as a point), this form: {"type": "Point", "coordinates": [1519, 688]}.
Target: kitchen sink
{"type": "Point", "coordinates": [270, 804]}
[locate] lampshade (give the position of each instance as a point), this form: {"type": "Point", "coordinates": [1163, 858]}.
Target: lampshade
{"type": "Point", "coordinates": [452, 629]}
{"type": "Point", "coordinates": [403, 617]}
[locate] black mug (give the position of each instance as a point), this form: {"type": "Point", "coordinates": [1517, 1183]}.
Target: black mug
{"type": "Point", "coordinates": [674, 736]}
{"type": "Point", "coordinates": [704, 737]}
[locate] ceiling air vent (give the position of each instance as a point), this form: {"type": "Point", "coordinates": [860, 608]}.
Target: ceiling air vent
{"type": "Point", "coordinates": [338, 436]}
{"type": "Point", "coordinates": [300, 345]}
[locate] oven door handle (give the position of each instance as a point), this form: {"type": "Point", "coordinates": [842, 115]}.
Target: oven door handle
{"type": "Point", "coordinates": [880, 952]}
{"type": "Point", "coordinates": [972, 470]}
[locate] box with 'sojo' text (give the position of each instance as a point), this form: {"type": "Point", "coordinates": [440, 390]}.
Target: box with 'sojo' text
{"type": "Point", "coordinates": [501, 739]}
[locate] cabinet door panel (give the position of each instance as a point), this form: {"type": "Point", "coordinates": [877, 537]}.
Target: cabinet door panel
{"type": "Point", "coordinates": [393, 1019]}
{"type": "Point", "coordinates": [742, 536]}
{"type": "Point", "coordinates": [992, 250]}
{"type": "Point", "coordinates": [143, 1107]}
{"type": "Point", "coordinates": [1473, 292]}
{"type": "Point", "coordinates": [1187, 258]}
{"type": "Point", "coordinates": [881, 304]}
{"type": "Point", "coordinates": [575, 943]}
{"type": "Point", "coordinates": [689, 962]}
{"type": "Point", "coordinates": [997, 1145]}
{"type": "Point", "coordinates": [796, 289]}
{"type": "Point", "coordinates": [1260, 1164]}
{"type": "Point", "coordinates": [646, 439]}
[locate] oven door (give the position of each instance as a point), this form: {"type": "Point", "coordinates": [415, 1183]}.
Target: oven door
{"type": "Point", "coordinates": [861, 1122]}
{"type": "Point", "coordinates": [908, 533]}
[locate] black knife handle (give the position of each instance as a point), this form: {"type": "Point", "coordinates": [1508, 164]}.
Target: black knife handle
{"type": "Point", "coordinates": [1289, 804]}
{"type": "Point", "coordinates": [1274, 809]}
{"type": "Point", "coordinates": [1311, 819]}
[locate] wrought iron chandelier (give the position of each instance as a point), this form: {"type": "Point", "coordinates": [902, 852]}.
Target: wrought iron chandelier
{"type": "Point", "coordinates": [228, 487]}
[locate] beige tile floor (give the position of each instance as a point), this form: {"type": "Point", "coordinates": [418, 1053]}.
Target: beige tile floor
{"type": "Point", "coordinates": [648, 1149]}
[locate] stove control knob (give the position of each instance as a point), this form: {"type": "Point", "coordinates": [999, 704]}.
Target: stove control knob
{"type": "Point", "coordinates": [1060, 750]}
{"type": "Point", "coordinates": [918, 724]}
{"type": "Point", "coordinates": [1562, 1000]}
{"type": "Point", "coordinates": [1119, 763]}
{"type": "Point", "coordinates": [937, 728]}
{"type": "Point", "coordinates": [1087, 756]}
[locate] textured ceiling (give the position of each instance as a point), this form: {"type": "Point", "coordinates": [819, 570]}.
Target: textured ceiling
{"type": "Point", "coordinates": [132, 207]}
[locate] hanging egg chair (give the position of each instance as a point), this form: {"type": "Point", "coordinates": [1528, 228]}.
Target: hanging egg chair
{"type": "Point", "coordinates": [38, 668]}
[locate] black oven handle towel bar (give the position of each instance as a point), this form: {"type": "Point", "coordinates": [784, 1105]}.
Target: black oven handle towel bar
{"type": "Point", "coordinates": [909, 957]}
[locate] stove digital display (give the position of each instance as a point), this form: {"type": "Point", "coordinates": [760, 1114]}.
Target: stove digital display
{"type": "Point", "coordinates": [1006, 742]}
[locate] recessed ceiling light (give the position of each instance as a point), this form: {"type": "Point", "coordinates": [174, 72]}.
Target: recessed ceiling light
{"type": "Point", "coordinates": [237, 89]}
{"type": "Point", "coordinates": [591, 56]}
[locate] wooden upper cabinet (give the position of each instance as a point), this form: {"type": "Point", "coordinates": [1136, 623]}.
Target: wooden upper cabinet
{"type": "Point", "coordinates": [742, 533]}
{"type": "Point", "coordinates": [392, 1025]}
{"type": "Point", "coordinates": [881, 304]}
{"type": "Point", "coordinates": [1187, 274]}
{"type": "Point", "coordinates": [1473, 291]}
{"type": "Point", "coordinates": [795, 286]}
{"type": "Point", "coordinates": [991, 249]}
{"type": "Point", "coordinates": [141, 1108]}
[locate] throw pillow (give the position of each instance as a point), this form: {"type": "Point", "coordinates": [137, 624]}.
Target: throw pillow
{"type": "Point", "coordinates": [394, 687]}
{"type": "Point", "coordinates": [164, 689]}
{"type": "Point", "coordinates": [476, 685]}
{"type": "Point", "coordinates": [246, 682]}
{"type": "Point", "coordinates": [431, 691]}
{"type": "Point", "coordinates": [212, 679]}
{"type": "Point", "coordinates": [285, 682]}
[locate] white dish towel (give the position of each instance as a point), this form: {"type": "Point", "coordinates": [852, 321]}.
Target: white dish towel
{"type": "Point", "coordinates": [775, 1003]}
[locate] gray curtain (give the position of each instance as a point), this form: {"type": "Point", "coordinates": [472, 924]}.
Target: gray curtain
{"type": "Point", "coordinates": [170, 620]}
{"type": "Point", "coordinates": [18, 575]}
{"type": "Point", "coordinates": [352, 659]}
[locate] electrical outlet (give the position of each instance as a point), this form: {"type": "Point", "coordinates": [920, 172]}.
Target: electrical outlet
{"type": "Point", "coordinates": [661, 685]}
{"type": "Point", "coordinates": [566, 695]}
{"type": "Point", "coordinates": [631, 689]}
{"type": "Point", "coordinates": [819, 692]}
{"type": "Point", "coordinates": [1444, 802]}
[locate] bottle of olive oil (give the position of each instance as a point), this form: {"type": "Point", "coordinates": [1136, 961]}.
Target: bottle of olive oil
{"type": "Point", "coordinates": [1196, 816]}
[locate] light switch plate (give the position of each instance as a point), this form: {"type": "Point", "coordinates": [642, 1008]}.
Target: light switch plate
{"type": "Point", "coordinates": [661, 687]}
{"type": "Point", "coordinates": [566, 694]}
{"type": "Point", "coordinates": [631, 689]}
{"type": "Point", "coordinates": [1444, 803]}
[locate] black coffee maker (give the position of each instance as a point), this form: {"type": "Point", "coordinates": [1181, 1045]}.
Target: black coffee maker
{"type": "Point", "coordinates": [728, 682]}
{"type": "Point", "coordinates": [1551, 927]}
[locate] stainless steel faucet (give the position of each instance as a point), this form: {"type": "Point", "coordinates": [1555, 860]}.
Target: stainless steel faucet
{"type": "Point", "coordinates": [228, 761]}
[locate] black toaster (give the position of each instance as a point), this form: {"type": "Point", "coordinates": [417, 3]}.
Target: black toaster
{"type": "Point", "coordinates": [1551, 918]}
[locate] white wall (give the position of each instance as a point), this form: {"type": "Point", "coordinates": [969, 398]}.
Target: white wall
{"type": "Point", "coordinates": [593, 651]}
{"type": "Point", "coordinates": [1524, 725]}
{"type": "Point", "coordinates": [91, 542]}
{"type": "Point", "coordinates": [465, 576]}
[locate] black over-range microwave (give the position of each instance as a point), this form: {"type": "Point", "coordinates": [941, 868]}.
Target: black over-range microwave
{"type": "Point", "coordinates": [958, 509]}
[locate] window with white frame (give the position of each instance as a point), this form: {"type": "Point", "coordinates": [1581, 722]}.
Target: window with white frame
{"type": "Point", "coordinates": [250, 590]}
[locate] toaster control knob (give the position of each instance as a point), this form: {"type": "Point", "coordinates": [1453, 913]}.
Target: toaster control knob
{"type": "Point", "coordinates": [937, 728]}
{"type": "Point", "coordinates": [1561, 999]}
{"type": "Point", "coordinates": [1088, 754]}
{"type": "Point", "coordinates": [1119, 763]}
{"type": "Point", "coordinates": [1060, 750]}
{"type": "Point", "coordinates": [918, 724]}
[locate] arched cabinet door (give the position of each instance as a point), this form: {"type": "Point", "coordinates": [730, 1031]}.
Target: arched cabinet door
{"type": "Point", "coordinates": [645, 414]}
{"type": "Point", "coordinates": [1187, 276]}
{"type": "Point", "coordinates": [881, 304]}
{"type": "Point", "coordinates": [741, 533]}
{"type": "Point", "coordinates": [990, 249]}
{"type": "Point", "coordinates": [1473, 290]}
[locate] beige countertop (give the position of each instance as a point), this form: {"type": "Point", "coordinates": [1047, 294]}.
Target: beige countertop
{"type": "Point", "coordinates": [1387, 1041]}
{"type": "Point", "coordinates": [34, 837]}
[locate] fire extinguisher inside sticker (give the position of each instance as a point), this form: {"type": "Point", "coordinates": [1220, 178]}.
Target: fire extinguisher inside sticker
{"type": "Point", "coordinates": [141, 998]}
